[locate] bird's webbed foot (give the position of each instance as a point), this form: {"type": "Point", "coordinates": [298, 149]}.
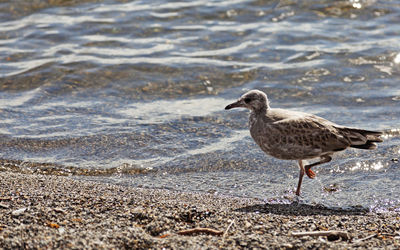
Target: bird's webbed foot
{"type": "Point", "coordinates": [309, 172]}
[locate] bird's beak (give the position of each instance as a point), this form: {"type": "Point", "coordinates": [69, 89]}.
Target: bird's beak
{"type": "Point", "coordinates": [236, 104]}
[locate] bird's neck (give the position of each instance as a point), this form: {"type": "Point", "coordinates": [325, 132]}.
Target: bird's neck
{"type": "Point", "coordinates": [260, 111]}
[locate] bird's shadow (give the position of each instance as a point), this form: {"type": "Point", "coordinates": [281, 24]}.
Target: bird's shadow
{"type": "Point", "coordinates": [297, 209]}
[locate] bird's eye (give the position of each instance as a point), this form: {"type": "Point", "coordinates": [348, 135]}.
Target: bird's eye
{"type": "Point", "coordinates": [247, 100]}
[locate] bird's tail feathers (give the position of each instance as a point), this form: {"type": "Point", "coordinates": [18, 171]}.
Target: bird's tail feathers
{"type": "Point", "coordinates": [368, 145]}
{"type": "Point", "coordinates": [363, 139]}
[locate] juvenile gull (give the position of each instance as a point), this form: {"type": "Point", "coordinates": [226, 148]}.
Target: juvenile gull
{"type": "Point", "coordinates": [292, 135]}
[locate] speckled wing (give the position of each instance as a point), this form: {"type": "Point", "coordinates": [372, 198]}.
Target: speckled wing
{"type": "Point", "coordinates": [296, 135]}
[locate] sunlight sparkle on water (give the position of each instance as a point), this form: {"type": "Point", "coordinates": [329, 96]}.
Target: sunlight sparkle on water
{"type": "Point", "coordinates": [356, 4]}
{"type": "Point", "coordinates": [385, 206]}
{"type": "Point", "coordinates": [367, 166]}
{"type": "Point", "coordinates": [391, 133]}
{"type": "Point", "coordinates": [397, 59]}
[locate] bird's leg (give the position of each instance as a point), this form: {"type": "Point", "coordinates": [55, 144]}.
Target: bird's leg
{"type": "Point", "coordinates": [309, 172]}
{"type": "Point", "coordinates": [300, 177]}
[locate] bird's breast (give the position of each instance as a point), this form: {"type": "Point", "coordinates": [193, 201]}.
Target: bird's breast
{"type": "Point", "coordinates": [262, 134]}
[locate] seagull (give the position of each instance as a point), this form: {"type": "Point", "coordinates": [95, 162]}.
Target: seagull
{"type": "Point", "coordinates": [293, 135]}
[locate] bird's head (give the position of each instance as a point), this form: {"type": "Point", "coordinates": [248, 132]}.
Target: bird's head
{"type": "Point", "coordinates": [255, 100]}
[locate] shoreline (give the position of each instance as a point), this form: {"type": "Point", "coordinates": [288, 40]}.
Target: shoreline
{"type": "Point", "coordinates": [42, 211]}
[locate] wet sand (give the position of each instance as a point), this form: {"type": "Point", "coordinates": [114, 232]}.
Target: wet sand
{"type": "Point", "coordinates": [39, 211]}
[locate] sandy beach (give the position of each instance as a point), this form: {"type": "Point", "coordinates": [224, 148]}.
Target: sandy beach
{"type": "Point", "coordinates": [39, 211]}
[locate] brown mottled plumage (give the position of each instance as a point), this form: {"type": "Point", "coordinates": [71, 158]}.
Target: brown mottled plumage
{"type": "Point", "coordinates": [292, 135]}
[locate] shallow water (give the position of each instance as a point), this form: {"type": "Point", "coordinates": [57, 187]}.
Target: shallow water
{"type": "Point", "coordinates": [132, 92]}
